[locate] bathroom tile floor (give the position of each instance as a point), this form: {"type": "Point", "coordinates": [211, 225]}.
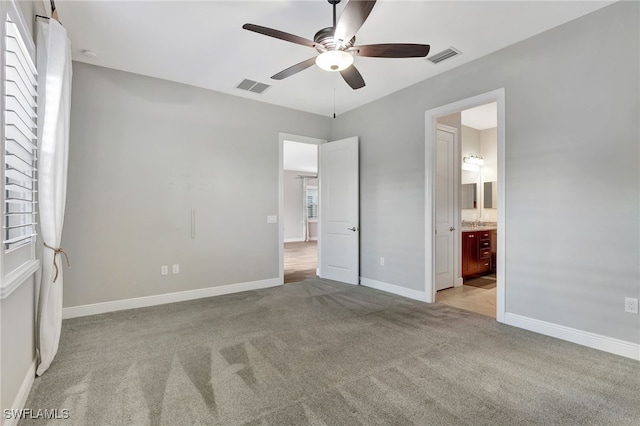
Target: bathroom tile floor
{"type": "Point", "coordinates": [470, 298]}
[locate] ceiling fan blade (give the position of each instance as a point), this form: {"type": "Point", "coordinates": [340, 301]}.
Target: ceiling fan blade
{"type": "Point", "coordinates": [279, 34]}
{"type": "Point", "coordinates": [352, 18]}
{"type": "Point", "coordinates": [295, 69]}
{"type": "Point", "coordinates": [353, 77]}
{"type": "Point", "coordinates": [393, 50]}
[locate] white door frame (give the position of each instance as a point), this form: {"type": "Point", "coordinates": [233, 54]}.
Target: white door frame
{"type": "Point", "coordinates": [431, 117]}
{"type": "Point", "coordinates": [295, 138]}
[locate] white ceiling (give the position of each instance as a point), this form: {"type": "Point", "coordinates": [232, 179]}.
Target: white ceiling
{"type": "Point", "coordinates": [202, 43]}
{"type": "Point", "coordinates": [300, 157]}
{"type": "Point", "coordinates": [481, 117]}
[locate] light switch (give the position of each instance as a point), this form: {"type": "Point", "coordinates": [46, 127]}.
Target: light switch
{"type": "Point", "coordinates": [272, 219]}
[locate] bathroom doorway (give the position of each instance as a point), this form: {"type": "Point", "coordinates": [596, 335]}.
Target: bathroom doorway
{"type": "Point", "coordinates": [476, 237]}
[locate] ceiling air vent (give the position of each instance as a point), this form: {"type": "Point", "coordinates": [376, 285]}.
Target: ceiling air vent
{"type": "Point", "coordinates": [444, 55]}
{"type": "Point", "coordinates": [252, 86]}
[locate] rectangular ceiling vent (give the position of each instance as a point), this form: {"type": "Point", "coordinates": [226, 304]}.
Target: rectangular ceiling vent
{"type": "Point", "coordinates": [444, 55]}
{"type": "Point", "coordinates": [252, 86]}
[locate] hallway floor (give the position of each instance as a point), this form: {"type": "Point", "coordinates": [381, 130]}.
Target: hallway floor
{"type": "Point", "coordinates": [300, 261]}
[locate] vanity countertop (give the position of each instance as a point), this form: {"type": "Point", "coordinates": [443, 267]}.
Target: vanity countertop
{"type": "Point", "coordinates": [479, 228]}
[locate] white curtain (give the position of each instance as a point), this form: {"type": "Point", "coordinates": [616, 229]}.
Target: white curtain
{"type": "Point", "coordinates": [54, 102]}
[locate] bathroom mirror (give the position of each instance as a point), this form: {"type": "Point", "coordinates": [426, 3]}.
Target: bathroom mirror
{"type": "Point", "coordinates": [491, 195]}
{"type": "Point", "coordinates": [468, 197]}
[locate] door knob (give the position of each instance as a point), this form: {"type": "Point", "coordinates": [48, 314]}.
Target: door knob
{"type": "Point", "coordinates": [452, 229]}
{"type": "Point", "coordinates": [354, 229]}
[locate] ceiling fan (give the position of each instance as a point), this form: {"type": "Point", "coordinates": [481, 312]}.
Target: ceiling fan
{"type": "Point", "coordinates": [336, 44]}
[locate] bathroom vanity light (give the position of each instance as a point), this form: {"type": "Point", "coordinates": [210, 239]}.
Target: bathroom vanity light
{"type": "Point", "coordinates": [474, 159]}
{"type": "Point", "coordinates": [472, 163]}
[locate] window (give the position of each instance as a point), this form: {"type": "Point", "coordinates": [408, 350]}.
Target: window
{"type": "Point", "coordinates": [19, 141]}
{"type": "Point", "coordinates": [312, 202]}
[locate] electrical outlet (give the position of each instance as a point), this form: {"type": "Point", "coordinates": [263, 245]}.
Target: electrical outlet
{"type": "Point", "coordinates": [382, 261]}
{"type": "Point", "coordinates": [164, 270]}
{"type": "Point", "coordinates": [631, 305]}
{"type": "Point", "coordinates": [176, 268]}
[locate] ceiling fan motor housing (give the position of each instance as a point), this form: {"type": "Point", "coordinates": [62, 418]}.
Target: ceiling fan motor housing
{"type": "Point", "coordinates": [325, 40]}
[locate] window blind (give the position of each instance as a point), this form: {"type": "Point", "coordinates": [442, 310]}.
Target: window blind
{"type": "Point", "coordinates": [20, 140]}
{"type": "Point", "coordinates": [312, 202]}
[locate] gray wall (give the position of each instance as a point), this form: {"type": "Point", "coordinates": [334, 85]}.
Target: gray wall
{"type": "Point", "coordinates": [143, 153]}
{"type": "Point", "coordinates": [572, 179]}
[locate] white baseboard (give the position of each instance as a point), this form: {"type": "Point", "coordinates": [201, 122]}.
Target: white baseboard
{"type": "Point", "coordinates": [584, 338]}
{"type": "Point", "coordinates": [458, 282]}
{"type": "Point", "coordinates": [395, 289]}
{"type": "Point", "coordinates": [161, 299]}
{"type": "Point", "coordinates": [294, 240]}
{"type": "Point", "coordinates": [299, 240]}
{"type": "Point", "coordinates": [21, 397]}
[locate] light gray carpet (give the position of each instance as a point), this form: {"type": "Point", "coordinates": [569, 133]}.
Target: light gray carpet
{"type": "Point", "coordinates": [321, 352]}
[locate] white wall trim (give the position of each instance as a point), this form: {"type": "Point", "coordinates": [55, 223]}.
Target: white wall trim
{"type": "Point", "coordinates": [395, 289]}
{"type": "Point", "coordinates": [431, 117]}
{"type": "Point", "coordinates": [161, 299]}
{"type": "Point", "coordinates": [23, 393]}
{"type": "Point", "coordinates": [584, 338]}
{"type": "Point", "coordinates": [14, 279]}
{"type": "Point", "coordinates": [294, 240]}
{"type": "Point", "coordinates": [313, 238]}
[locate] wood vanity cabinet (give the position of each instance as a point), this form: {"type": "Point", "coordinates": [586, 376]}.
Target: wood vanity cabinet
{"type": "Point", "coordinates": [494, 249]}
{"type": "Point", "coordinates": [470, 255]}
{"type": "Point", "coordinates": [476, 253]}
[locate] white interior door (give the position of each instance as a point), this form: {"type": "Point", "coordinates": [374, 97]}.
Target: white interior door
{"type": "Point", "coordinates": [339, 242]}
{"type": "Point", "coordinates": [444, 210]}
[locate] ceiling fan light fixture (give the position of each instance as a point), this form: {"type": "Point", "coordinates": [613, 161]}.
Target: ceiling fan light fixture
{"type": "Point", "coordinates": [334, 60]}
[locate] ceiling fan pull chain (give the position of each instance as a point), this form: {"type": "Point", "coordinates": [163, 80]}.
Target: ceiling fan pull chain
{"type": "Point", "coordinates": [334, 102]}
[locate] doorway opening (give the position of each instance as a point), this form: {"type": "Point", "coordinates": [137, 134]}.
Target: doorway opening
{"type": "Point", "coordinates": [465, 204]}
{"type": "Point", "coordinates": [299, 209]}
{"type": "Point", "coordinates": [476, 212]}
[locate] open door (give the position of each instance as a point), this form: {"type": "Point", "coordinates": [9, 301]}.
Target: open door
{"type": "Point", "coordinates": [339, 242]}
{"type": "Point", "coordinates": [445, 205]}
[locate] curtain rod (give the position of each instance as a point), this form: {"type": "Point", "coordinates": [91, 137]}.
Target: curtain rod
{"type": "Point", "coordinates": [54, 12]}
{"type": "Point", "coordinates": [48, 18]}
